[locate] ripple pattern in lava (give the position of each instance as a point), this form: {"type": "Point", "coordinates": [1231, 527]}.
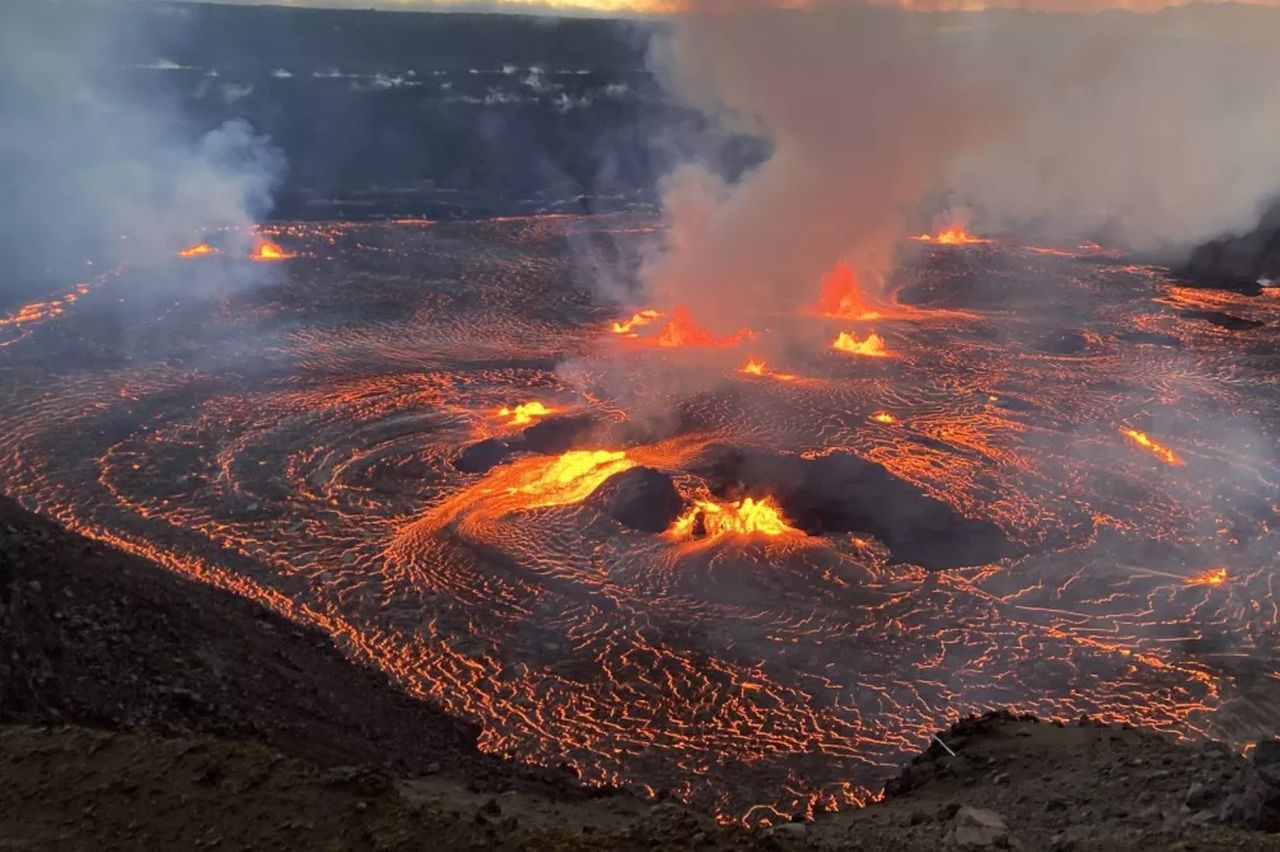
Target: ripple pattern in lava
{"type": "Point", "coordinates": [295, 443]}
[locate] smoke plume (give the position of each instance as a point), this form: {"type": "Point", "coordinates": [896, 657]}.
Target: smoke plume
{"type": "Point", "coordinates": [1154, 131]}
{"type": "Point", "coordinates": [93, 168]}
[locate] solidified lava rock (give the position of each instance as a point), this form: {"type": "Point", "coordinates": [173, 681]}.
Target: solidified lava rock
{"type": "Point", "coordinates": [640, 498]}
{"type": "Point", "coordinates": [1222, 320]}
{"type": "Point", "coordinates": [1068, 341]}
{"type": "Point", "coordinates": [841, 492]}
{"type": "Point", "coordinates": [479, 458]}
{"type": "Point", "coordinates": [558, 434]}
{"type": "Point", "coordinates": [1150, 337]}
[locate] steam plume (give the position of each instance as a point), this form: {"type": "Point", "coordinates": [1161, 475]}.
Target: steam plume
{"type": "Point", "coordinates": [94, 170]}
{"type": "Point", "coordinates": [1155, 129]}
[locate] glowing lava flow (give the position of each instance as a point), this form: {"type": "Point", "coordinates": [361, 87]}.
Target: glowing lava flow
{"type": "Point", "coordinates": [266, 250]}
{"type": "Point", "coordinates": [756, 367]}
{"type": "Point", "coordinates": [884, 417]}
{"type": "Point", "coordinates": [524, 414]}
{"type": "Point", "coordinates": [197, 250]}
{"type": "Point", "coordinates": [1211, 577]}
{"type": "Point", "coordinates": [709, 519]}
{"type": "Point", "coordinates": [1160, 451]}
{"type": "Point", "coordinates": [638, 320]}
{"type": "Point", "coordinates": [872, 347]}
{"type": "Point", "coordinates": [842, 297]}
{"type": "Point", "coordinates": [680, 331]}
{"type": "Point", "coordinates": [571, 477]}
{"type": "Point", "coordinates": [953, 236]}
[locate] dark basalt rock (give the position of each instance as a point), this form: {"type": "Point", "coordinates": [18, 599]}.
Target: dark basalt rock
{"type": "Point", "coordinates": [841, 492]}
{"type": "Point", "coordinates": [558, 434]}
{"type": "Point", "coordinates": [1222, 320]}
{"type": "Point", "coordinates": [481, 457]}
{"type": "Point", "coordinates": [640, 498]}
{"type": "Point", "coordinates": [1067, 341]}
{"type": "Point", "coordinates": [1240, 262]}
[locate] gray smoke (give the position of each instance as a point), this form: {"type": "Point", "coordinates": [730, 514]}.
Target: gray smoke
{"type": "Point", "coordinates": [93, 168]}
{"type": "Point", "coordinates": [1156, 131]}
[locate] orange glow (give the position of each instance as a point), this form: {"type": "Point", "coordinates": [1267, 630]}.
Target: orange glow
{"type": "Point", "coordinates": [680, 331]}
{"type": "Point", "coordinates": [872, 347]}
{"type": "Point", "coordinates": [952, 236]}
{"type": "Point", "coordinates": [1211, 577]}
{"type": "Point", "coordinates": [841, 295]}
{"type": "Point", "coordinates": [638, 319]}
{"type": "Point", "coordinates": [571, 478]}
{"type": "Point", "coordinates": [1160, 451]}
{"type": "Point", "coordinates": [524, 414]}
{"type": "Point", "coordinates": [756, 367]}
{"type": "Point", "coordinates": [884, 417]}
{"type": "Point", "coordinates": [268, 251]}
{"type": "Point", "coordinates": [197, 250]}
{"type": "Point", "coordinates": [748, 517]}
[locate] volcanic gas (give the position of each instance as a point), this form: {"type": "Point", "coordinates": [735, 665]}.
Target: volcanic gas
{"type": "Point", "coordinates": [637, 561]}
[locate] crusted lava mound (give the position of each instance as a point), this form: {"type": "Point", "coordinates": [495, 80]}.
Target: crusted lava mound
{"type": "Point", "coordinates": [550, 437]}
{"type": "Point", "coordinates": [841, 492]}
{"type": "Point", "coordinates": [640, 498]}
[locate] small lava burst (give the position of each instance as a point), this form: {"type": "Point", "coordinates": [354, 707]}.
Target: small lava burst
{"type": "Point", "coordinates": [680, 331]}
{"type": "Point", "coordinates": [638, 320]}
{"type": "Point", "coordinates": [268, 251]}
{"type": "Point", "coordinates": [756, 367]}
{"type": "Point", "coordinates": [524, 414]}
{"type": "Point", "coordinates": [884, 417]}
{"type": "Point", "coordinates": [952, 236]}
{"type": "Point", "coordinates": [197, 250]}
{"type": "Point", "coordinates": [1160, 451]}
{"type": "Point", "coordinates": [1211, 577]}
{"type": "Point", "coordinates": [842, 297]}
{"type": "Point", "coordinates": [872, 347]}
{"type": "Point", "coordinates": [710, 519]}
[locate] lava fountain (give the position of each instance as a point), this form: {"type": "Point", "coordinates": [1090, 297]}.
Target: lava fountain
{"type": "Point", "coordinates": [872, 347]}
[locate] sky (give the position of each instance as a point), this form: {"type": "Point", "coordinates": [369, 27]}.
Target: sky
{"type": "Point", "coordinates": [662, 7]}
{"type": "Point", "coordinates": [593, 7]}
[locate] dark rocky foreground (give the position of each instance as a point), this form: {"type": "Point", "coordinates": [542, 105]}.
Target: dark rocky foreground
{"type": "Point", "coordinates": [142, 711]}
{"type": "Point", "coordinates": [1245, 259]}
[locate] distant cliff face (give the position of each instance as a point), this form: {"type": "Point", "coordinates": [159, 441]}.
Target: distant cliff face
{"type": "Point", "coordinates": [1254, 256]}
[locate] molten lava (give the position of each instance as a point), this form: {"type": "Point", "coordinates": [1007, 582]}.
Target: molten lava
{"type": "Point", "coordinates": [841, 295]}
{"type": "Point", "coordinates": [753, 367]}
{"type": "Point", "coordinates": [884, 417]}
{"type": "Point", "coordinates": [571, 477]}
{"type": "Point", "coordinates": [524, 414]}
{"type": "Point", "coordinates": [266, 250]}
{"type": "Point", "coordinates": [952, 236]}
{"type": "Point", "coordinates": [1211, 577]}
{"type": "Point", "coordinates": [709, 519]}
{"type": "Point", "coordinates": [1160, 451]}
{"type": "Point", "coordinates": [872, 347]}
{"type": "Point", "coordinates": [681, 331]}
{"type": "Point", "coordinates": [197, 250]}
{"type": "Point", "coordinates": [638, 319]}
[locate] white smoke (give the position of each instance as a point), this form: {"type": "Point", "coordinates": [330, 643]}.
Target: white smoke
{"type": "Point", "coordinates": [1157, 129]}
{"type": "Point", "coordinates": [93, 169]}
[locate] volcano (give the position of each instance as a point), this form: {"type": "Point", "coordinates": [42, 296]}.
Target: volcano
{"type": "Point", "coordinates": [680, 572]}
